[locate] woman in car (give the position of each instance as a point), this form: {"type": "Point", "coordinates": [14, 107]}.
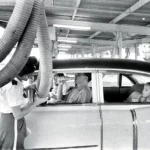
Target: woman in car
{"type": "Point", "coordinates": [12, 122]}
{"type": "Point", "coordinates": [140, 97]}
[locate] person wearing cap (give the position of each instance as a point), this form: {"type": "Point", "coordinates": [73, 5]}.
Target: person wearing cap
{"type": "Point", "coordinates": [81, 93]}
{"type": "Point", "coordinates": [13, 128]}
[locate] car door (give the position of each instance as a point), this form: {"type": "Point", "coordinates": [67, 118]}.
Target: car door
{"type": "Point", "coordinates": [125, 126]}
{"type": "Point", "coordinates": [111, 86]}
{"type": "Point", "coordinates": [125, 84]}
{"type": "Point", "coordinates": [65, 126]}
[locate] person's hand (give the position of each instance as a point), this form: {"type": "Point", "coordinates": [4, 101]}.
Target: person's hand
{"type": "Point", "coordinates": [54, 96]}
{"type": "Point", "coordinates": [135, 100]}
{"type": "Point", "coordinates": [31, 87]}
{"type": "Point", "coordinates": [146, 94]}
{"type": "Point", "coordinates": [61, 80]}
{"type": "Point", "coordinates": [52, 101]}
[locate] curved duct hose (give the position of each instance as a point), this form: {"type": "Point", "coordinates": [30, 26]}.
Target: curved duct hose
{"type": "Point", "coordinates": [23, 49]}
{"type": "Point", "coordinates": [15, 27]}
{"type": "Point", "coordinates": [45, 47]}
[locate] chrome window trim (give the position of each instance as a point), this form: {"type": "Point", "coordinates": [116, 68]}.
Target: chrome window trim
{"type": "Point", "coordinates": [99, 69]}
{"type": "Point", "coordinates": [99, 89]}
{"type": "Point", "coordinates": [82, 70]}
{"type": "Point", "coordinates": [135, 129]}
{"type": "Point", "coordinates": [124, 71]}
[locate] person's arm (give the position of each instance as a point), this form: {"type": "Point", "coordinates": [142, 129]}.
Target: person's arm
{"type": "Point", "coordinates": [146, 94]}
{"type": "Point", "coordinates": [133, 97]}
{"type": "Point", "coordinates": [59, 91]}
{"type": "Point", "coordinates": [61, 82]}
{"type": "Point", "coordinates": [19, 112]}
{"type": "Point", "coordinates": [148, 99]}
{"type": "Point", "coordinates": [31, 86]}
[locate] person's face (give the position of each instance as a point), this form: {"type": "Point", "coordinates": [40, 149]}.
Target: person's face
{"type": "Point", "coordinates": [80, 78]}
{"type": "Point", "coordinates": [58, 79]}
{"type": "Point", "coordinates": [24, 78]}
{"type": "Point", "coordinates": [55, 80]}
{"type": "Point", "coordinates": [146, 91]}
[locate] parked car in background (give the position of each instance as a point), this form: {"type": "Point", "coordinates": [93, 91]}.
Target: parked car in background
{"type": "Point", "coordinates": [105, 123]}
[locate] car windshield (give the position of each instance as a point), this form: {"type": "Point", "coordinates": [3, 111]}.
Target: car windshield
{"type": "Point", "coordinates": [141, 79]}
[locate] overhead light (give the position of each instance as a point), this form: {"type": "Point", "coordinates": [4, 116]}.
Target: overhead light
{"type": "Point", "coordinates": [72, 27]}
{"type": "Point", "coordinates": [61, 52]}
{"type": "Point", "coordinates": [63, 49]}
{"type": "Point", "coordinates": [67, 41]}
{"type": "Point", "coordinates": [64, 46]}
{"type": "Point", "coordinates": [143, 18]}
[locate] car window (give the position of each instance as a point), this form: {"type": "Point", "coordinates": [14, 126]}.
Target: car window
{"type": "Point", "coordinates": [141, 78]}
{"type": "Point", "coordinates": [126, 81]}
{"type": "Point", "coordinates": [110, 80]}
{"type": "Point", "coordinates": [72, 91]}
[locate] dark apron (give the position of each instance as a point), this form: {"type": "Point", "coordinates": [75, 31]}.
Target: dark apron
{"type": "Point", "coordinates": [7, 132]}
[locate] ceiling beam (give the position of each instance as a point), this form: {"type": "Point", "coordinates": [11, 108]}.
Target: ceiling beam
{"type": "Point", "coordinates": [102, 26]}
{"type": "Point", "coordinates": [89, 41]}
{"type": "Point", "coordinates": [76, 8]}
{"type": "Point", "coordinates": [99, 10]}
{"type": "Point", "coordinates": [74, 13]}
{"type": "Point", "coordinates": [133, 8]}
{"type": "Point", "coordinates": [48, 3]}
{"type": "Point", "coordinates": [98, 50]}
{"type": "Point", "coordinates": [11, 4]}
{"type": "Point", "coordinates": [7, 2]}
{"type": "Point", "coordinates": [84, 47]}
{"type": "Point", "coordinates": [106, 42]}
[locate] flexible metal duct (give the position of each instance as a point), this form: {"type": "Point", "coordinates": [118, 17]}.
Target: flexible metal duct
{"type": "Point", "coordinates": [26, 41]}
{"type": "Point", "coordinates": [45, 47]}
{"type": "Point", "coordinates": [15, 26]}
{"type": "Point", "coordinates": [23, 49]}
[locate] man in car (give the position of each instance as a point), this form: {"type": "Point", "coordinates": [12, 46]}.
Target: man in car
{"type": "Point", "coordinates": [81, 93]}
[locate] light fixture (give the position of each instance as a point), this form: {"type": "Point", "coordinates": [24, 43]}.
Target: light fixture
{"type": "Point", "coordinates": [143, 18]}
{"type": "Point", "coordinates": [72, 27]}
{"type": "Point", "coordinates": [61, 52]}
{"type": "Point", "coordinates": [63, 49]}
{"type": "Point", "coordinates": [64, 46]}
{"type": "Point", "coordinates": [67, 41]}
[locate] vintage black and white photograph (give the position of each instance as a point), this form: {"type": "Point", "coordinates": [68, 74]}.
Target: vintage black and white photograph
{"type": "Point", "coordinates": [74, 74]}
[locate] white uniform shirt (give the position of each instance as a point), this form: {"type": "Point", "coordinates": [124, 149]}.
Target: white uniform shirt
{"type": "Point", "coordinates": [10, 96]}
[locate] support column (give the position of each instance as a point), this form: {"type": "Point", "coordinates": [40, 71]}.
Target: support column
{"type": "Point", "coordinates": [136, 51]}
{"type": "Point", "coordinates": [52, 31]}
{"type": "Point", "coordinates": [127, 52]}
{"type": "Point", "coordinates": [114, 52]}
{"type": "Point", "coordinates": [94, 49]}
{"type": "Point", "coordinates": [119, 43]}
{"type": "Point", "coordinates": [82, 53]}
{"type": "Point", "coordinates": [54, 50]}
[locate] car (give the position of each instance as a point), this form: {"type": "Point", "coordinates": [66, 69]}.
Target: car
{"type": "Point", "coordinates": [107, 122]}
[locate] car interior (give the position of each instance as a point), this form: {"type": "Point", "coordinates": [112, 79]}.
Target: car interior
{"type": "Point", "coordinates": [124, 85]}
{"type": "Point", "coordinates": [116, 86]}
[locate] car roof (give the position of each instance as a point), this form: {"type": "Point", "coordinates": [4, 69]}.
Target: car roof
{"type": "Point", "coordinates": [108, 63]}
